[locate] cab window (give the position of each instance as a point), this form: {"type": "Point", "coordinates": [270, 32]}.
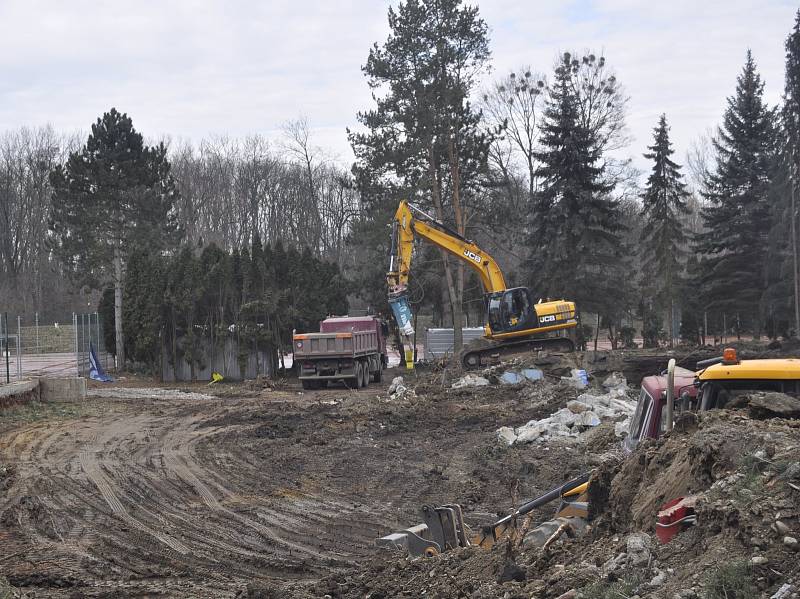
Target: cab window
{"type": "Point", "coordinates": [642, 415]}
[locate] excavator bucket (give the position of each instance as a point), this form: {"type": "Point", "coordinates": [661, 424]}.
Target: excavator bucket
{"type": "Point", "coordinates": [443, 526]}
{"type": "Point", "coordinates": [443, 529]}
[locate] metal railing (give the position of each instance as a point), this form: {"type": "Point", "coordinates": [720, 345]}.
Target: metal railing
{"type": "Point", "coordinates": [30, 348]}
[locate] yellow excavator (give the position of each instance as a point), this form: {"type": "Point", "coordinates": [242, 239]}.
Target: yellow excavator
{"type": "Point", "coordinates": [513, 322]}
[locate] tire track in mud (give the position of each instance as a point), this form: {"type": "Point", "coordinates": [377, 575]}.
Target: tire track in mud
{"type": "Point", "coordinates": [178, 458]}
{"type": "Point", "coordinates": [93, 470]}
{"type": "Point", "coordinates": [162, 490]}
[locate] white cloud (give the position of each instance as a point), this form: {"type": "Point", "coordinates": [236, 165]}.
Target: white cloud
{"type": "Point", "coordinates": [191, 69]}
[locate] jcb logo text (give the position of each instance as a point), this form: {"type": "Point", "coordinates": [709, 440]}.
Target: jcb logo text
{"type": "Point", "coordinates": [473, 256]}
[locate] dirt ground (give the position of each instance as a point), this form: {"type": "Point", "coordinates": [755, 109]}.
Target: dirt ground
{"type": "Point", "coordinates": [262, 491]}
{"type": "Point", "coordinates": [146, 496]}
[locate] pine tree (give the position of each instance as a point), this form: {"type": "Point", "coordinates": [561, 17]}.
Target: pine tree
{"type": "Point", "coordinates": [576, 246]}
{"type": "Point", "coordinates": [663, 237]}
{"type": "Point", "coordinates": [737, 215]}
{"type": "Point", "coordinates": [791, 159]}
{"type": "Point", "coordinates": [113, 195]}
{"type": "Point", "coordinates": [424, 141]}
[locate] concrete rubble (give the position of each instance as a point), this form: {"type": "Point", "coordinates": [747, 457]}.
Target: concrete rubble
{"type": "Point", "coordinates": [586, 411]}
{"type": "Point", "coordinates": [398, 389]}
{"type": "Point", "coordinates": [470, 380]}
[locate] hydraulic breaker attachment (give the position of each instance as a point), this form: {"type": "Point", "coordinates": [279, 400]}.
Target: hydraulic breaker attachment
{"type": "Point", "coordinates": [443, 527]}
{"type": "Point", "coordinates": [402, 314]}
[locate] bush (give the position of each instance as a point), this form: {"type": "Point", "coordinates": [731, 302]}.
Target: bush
{"type": "Point", "coordinates": [626, 335]}
{"type": "Point", "coordinates": [6, 590]}
{"type": "Point", "coordinates": [731, 581]}
{"type": "Point", "coordinates": [606, 589]}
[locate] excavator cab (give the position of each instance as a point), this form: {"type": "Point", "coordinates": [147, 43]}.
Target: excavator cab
{"type": "Point", "coordinates": [510, 310]}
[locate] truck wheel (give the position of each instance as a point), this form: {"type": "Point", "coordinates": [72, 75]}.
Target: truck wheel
{"type": "Point", "coordinates": [359, 376]}
{"type": "Point", "coordinates": [308, 385]}
{"type": "Point", "coordinates": [366, 374]}
{"type": "Point", "coordinates": [377, 376]}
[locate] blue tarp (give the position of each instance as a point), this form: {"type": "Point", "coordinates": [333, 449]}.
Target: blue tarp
{"type": "Point", "coordinates": [96, 372]}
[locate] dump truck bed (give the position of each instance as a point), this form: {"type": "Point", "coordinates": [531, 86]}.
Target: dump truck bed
{"type": "Point", "coordinates": [340, 345]}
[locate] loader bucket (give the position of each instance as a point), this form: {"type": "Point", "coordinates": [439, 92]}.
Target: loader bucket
{"type": "Point", "coordinates": [443, 527]}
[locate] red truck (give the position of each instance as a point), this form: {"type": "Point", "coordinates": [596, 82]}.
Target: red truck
{"type": "Point", "coordinates": [649, 420]}
{"type": "Point", "coordinates": [351, 349]}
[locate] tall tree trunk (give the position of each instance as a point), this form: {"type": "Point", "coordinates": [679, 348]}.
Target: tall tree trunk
{"type": "Point", "coordinates": [795, 274]}
{"type": "Point", "coordinates": [596, 332]}
{"type": "Point", "coordinates": [455, 305]}
{"type": "Point", "coordinates": [458, 307]}
{"type": "Point", "coordinates": [118, 276]}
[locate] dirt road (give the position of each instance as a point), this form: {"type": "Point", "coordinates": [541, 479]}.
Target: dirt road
{"type": "Point", "coordinates": [188, 498]}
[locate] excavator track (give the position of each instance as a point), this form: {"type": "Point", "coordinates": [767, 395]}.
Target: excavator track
{"type": "Point", "coordinates": [483, 352]}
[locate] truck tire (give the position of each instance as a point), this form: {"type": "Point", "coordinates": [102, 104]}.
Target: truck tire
{"type": "Point", "coordinates": [309, 384]}
{"type": "Point", "coordinates": [359, 375]}
{"type": "Point", "coordinates": [366, 374]}
{"type": "Point", "coordinates": [377, 376]}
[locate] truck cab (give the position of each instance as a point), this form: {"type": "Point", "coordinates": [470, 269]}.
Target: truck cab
{"type": "Point", "coordinates": [713, 386]}
{"type": "Point", "coordinates": [648, 421]}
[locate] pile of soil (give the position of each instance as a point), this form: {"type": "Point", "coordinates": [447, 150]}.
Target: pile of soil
{"type": "Point", "coordinates": [746, 473]}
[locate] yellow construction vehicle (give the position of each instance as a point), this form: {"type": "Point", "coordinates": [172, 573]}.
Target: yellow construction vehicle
{"type": "Point", "coordinates": [514, 322]}
{"type": "Point", "coordinates": [443, 526]}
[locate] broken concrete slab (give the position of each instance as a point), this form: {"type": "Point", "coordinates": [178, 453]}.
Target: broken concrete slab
{"type": "Point", "coordinates": [773, 405]}
{"type": "Point", "coordinates": [511, 378]}
{"type": "Point", "coordinates": [470, 380]}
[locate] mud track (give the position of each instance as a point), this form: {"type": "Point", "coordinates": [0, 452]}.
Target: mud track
{"type": "Point", "coordinates": [192, 498]}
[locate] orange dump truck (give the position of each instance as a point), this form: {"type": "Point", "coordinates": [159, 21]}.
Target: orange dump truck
{"type": "Point", "coordinates": [351, 349]}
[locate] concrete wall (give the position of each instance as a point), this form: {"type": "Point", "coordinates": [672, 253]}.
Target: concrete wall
{"type": "Point", "coordinates": [222, 358]}
{"type": "Point", "coordinates": [43, 389]}
{"type": "Point", "coordinates": [439, 342]}
{"type": "Point", "coordinates": [63, 389]}
{"type": "Point", "coordinates": [19, 393]}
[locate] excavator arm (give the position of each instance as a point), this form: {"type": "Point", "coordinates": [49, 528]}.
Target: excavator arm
{"type": "Point", "coordinates": [409, 222]}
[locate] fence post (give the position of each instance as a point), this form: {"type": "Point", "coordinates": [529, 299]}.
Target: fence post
{"type": "Point", "coordinates": [19, 348]}
{"type": "Point", "coordinates": [83, 342]}
{"type": "Point", "coordinates": [8, 373]}
{"type": "Point", "coordinates": [77, 354]}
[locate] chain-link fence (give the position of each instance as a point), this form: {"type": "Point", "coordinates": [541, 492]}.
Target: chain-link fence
{"type": "Point", "coordinates": [31, 348]}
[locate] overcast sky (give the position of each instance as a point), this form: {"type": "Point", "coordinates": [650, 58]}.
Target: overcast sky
{"type": "Point", "coordinates": [190, 69]}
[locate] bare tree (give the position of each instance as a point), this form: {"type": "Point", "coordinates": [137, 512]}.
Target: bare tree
{"type": "Point", "coordinates": [26, 158]}
{"type": "Point", "coordinates": [514, 104]}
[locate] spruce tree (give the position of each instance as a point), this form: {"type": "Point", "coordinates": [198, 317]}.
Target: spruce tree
{"type": "Point", "coordinates": [113, 195]}
{"type": "Point", "coordinates": [424, 141]}
{"type": "Point", "coordinates": [791, 158]}
{"type": "Point", "coordinates": [737, 214]}
{"type": "Point", "coordinates": [663, 243]}
{"type": "Point", "coordinates": [576, 244]}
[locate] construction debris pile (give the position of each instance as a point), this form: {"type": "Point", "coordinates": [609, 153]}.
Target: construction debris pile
{"type": "Point", "coordinates": [744, 479]}
{"type": "Point", "coordinates": [588, 410]}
